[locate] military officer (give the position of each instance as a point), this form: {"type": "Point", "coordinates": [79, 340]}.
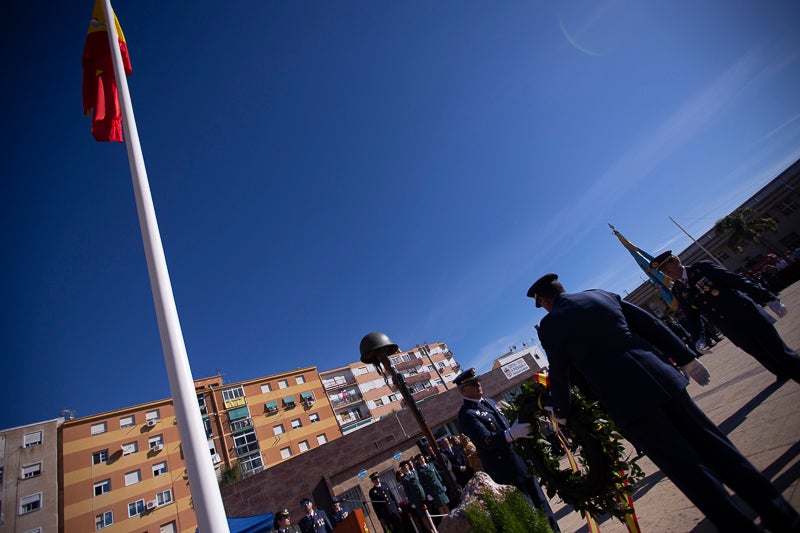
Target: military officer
{"type": "Point", "coordinates": [314, 521]}
{"type": "Point", "coordinates": [624, 354]}
{"type": "Point", "coordinates": [338, 514]}
{"type": "Point", "coordinates": [385, 505]}
{"type": "Point", "coordinates": [283, 523]}
{"type": "Point", "coordinates": [733, 304]}
{"type": "Point", "coordinates": [490, 431]}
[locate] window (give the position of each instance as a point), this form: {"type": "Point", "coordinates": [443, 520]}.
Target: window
{"type": "Point", "coordinates": [103, 520]}
{"type": "Point", "coordinates": [201, 401]}
{"type": "Point", "coordinates": [282, 384]}
{"type": "Point", "coordinates": [100, 457]}
{"type": "Point", "coordinates": [378, 402]}
{"type": "Point", "coordinates": [29, 471]}
{"type": "Point", "coordinates": [234, 393]}
{"type": "Point", "coordinates": [322, 439]}
{"type": "Point", "coordinates": [159, 468]}
{"type": "Point", "coordinates": [393, 397]}
{"type": "Point", "coordinates": [314, 418]}
{"type": "Point", "coordinates": [102, 487]}
{"type": "Point", "coordinates": [132, 478]}
{"type": "Point", "coordinates": [296, 423]}
{"type": "Point", "coordinates": [286, 453]}
{"type": "Point", "coordinates": [164, 498]}
{"type": "Point", "coordinates": [265, 388]}
{"type": "Point", "coordinates": [1, 482]}
{"type": "Point", "coordinates": [168, 528]}
{"type": "Point", "coordinates": [246, 442]}
{"type": "Point", "coordinates": [241, 424]}
{"type": "Point", "coordinates": [152, 415]}
{"type": "Point", "coordinates": [130, 448]}
{"type": "Point", "coordinates": [135, 508]}
{"type": "Point", "coordinates": [32, 439]}
{"type": "Point", "coordinates": [300, 380]}
{"type": "Point", "coordinates": [126, 422]}
{"type": "Point", "coordinates": [97, 429]}
{"type": "Point", "coordinates": [278, 430]}
{"type": "Point", "coordinates": [272, 407]}
{"type": "Point", "coordinates": [252, 464]}
{"type": "Point", "coordinates": [30, 503]}
{"type": "Point", "coordinates": [153, 442]}
{"type": "Point", "coordinates": [288, 402]}
{"type": "Point", "coordinates": [303, 445]}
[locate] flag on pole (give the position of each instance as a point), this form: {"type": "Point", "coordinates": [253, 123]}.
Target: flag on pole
{"type": "Point", "coordinates": [99, 86]}
{"type": "Point", "coordinates": [661, 282]}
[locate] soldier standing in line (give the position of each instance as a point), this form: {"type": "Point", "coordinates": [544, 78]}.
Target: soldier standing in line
{"type": "Point", "coordinates": [385, 505]}
{"type": "Point", "coordinates": [338, 513]}
{"type": "Point", "coordinates": [431, 481]}
{"type": "Point", "coordinates": [283, 523]}
{"type": "Point", "coordinates": [733, 304]}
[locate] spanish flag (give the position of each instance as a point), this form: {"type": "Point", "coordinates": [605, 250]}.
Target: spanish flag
{"type": "Point", "coordinates": [99, 85]}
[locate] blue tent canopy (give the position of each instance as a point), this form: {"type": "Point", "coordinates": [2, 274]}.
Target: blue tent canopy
{"type": "Point", "coordinates": [261, 523]}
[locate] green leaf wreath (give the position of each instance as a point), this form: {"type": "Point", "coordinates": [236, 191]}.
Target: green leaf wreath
{"type": "Point", "coordinates": [606, 471]}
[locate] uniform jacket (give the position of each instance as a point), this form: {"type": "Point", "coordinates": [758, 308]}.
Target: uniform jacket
{"type": "Point", "coordinates": [485, 425]}
{"type": "Point", "coordinates": [383, 502]}
{"type": "Point", "coordinates": [432, 483]}
{"type": "Point", "coordinates": [622, 349]}
{"type": "Point", "coordinates": [316, 523]}
{"type": "Point", "coordinates": [413, 488]}
{"type": "Point", "coordinates": [457, 459]}
{"type": "Point", "coordinates": [291, 529]}
{"type": "Point", "coordinates": [724, 297]}
{"type": "Point", "coordinates": [338, 516]}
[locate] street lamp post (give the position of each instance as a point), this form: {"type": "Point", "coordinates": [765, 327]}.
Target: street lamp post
{"type": "Point", "coordinates": [375, 349]}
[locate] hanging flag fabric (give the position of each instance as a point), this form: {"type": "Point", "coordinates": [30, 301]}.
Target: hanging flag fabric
{"type": "Point", "coordinates": [99, 86]}
{"type": "Point", "coordinates": [656, 277]}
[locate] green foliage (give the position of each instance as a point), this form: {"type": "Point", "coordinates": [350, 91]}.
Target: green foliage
{"type": "Point", "coordinates": [742, 226]}
{"type": "Point", "coordinates": [605, 472]}
{"type": "Point", "coordinates": [230, 475]}
{"type": "Point", "coordinates": [511, 514]}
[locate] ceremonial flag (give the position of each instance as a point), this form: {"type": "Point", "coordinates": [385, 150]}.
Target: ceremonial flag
{"type": "Point", "coordinates": [657, 278]}
{"type": "Point", "coordinates": [99, 86]}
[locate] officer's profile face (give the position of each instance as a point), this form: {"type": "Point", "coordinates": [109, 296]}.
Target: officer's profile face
{"type": "Point", "coordinates": [672, 267]}
{"type": "Point", "coordinates": [472, 390]}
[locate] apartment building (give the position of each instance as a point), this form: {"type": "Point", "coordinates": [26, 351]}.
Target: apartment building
{"type": "Point", "coordinates": [124, 470]}
{"type": "Point", "coordinates": [359, 395]}
{"type": "Point", "coordinates": [29, 477]}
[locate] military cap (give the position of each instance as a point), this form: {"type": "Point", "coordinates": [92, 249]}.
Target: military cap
{"type": "Point", "coordinates": [465, 377]}
{"type": "Point", "coordinates": [374, 475]}
{"type": "Point", "coordinates": [659, 260]}
{"type": "Point", "coordinates": [418, 457]}
{"type": "Point", "coordinates": [403, 463]}
{"type": "Point", "coordinates": [282, 514]}
{"type": "Point", "coordinates": [336, 500]}
{"type": "Point", "coordinates": [540, 284]}
{"type": "Point", "coordinates": [304, 501]}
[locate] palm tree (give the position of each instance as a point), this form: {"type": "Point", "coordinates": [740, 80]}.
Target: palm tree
{"type": "Point", "coordinates": [741, 226]}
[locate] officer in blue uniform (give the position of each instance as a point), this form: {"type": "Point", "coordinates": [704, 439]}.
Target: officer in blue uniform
{"type": "Point", "coordinates": [623, 353]}
{"type": "Point", "coordinates": [492, 435]}
{"type": "Point", "coordinates": [313, 521]}
{"type": "Point", "coordinates": [733, 304]}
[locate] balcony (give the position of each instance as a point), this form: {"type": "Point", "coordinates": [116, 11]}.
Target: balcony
{"type": "Point", "coordinates": [337, 383]}
{"type": "Point", "coordinates": [408, 365]}
{"type": "Point", "coordinates": [347, 400]}
{"type": "Point", "coordinates": [352, 425]}
{"type": "Point", "coordinates": [425, 393]}
{"type": "Point", "coordinates": [416, 378]}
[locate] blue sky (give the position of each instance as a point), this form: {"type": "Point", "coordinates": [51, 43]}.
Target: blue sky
{"type": "Point", "coordinates": [321, 170]}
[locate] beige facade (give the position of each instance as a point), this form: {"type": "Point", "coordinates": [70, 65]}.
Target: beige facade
{"type": "Point", "coordinates": [29, 477]}
{"type": "Point", "coordinates": [124, 470]}
{"type": "Point", "coordinates": [360, 395]}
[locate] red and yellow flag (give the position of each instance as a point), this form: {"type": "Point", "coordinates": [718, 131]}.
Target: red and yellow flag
{"type": "Point", "coordinates": [99, 86]}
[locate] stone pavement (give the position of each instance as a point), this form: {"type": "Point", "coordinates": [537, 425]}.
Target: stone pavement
{"type": "Point", "coordinates": [759, 415]}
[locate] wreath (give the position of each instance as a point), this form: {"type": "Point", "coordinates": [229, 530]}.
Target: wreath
{"type": "Point", "coordinates": [606, 474]}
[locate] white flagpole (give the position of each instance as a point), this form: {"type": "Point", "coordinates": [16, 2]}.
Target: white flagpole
{"type": "Point", "coordinates": [205, 492]}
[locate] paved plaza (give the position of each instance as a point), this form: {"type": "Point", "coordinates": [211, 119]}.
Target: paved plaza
{"type": "Point", "coordinates": [758, 414]}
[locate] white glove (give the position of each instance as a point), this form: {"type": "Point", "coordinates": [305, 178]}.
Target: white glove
{"type": "Point", "coordinates": [561, 421]}
{"type": "Point", "coordinates": [518, 430]}
{"type": "Point", "coordinates": [701, 346]}
{"type": "Point", "coordinates": [697, 371]}
{"type": "Point", "coordinates": [778, 308]}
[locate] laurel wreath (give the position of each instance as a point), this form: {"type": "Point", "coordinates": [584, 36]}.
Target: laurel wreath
{"type": "Point", "coordinates": [606, 475]}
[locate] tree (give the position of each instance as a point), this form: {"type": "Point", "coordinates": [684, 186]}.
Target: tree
{"type": "Point", "coordinates": [230, 475]}
{"type": "Point", "coordinates": [741, 226]}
